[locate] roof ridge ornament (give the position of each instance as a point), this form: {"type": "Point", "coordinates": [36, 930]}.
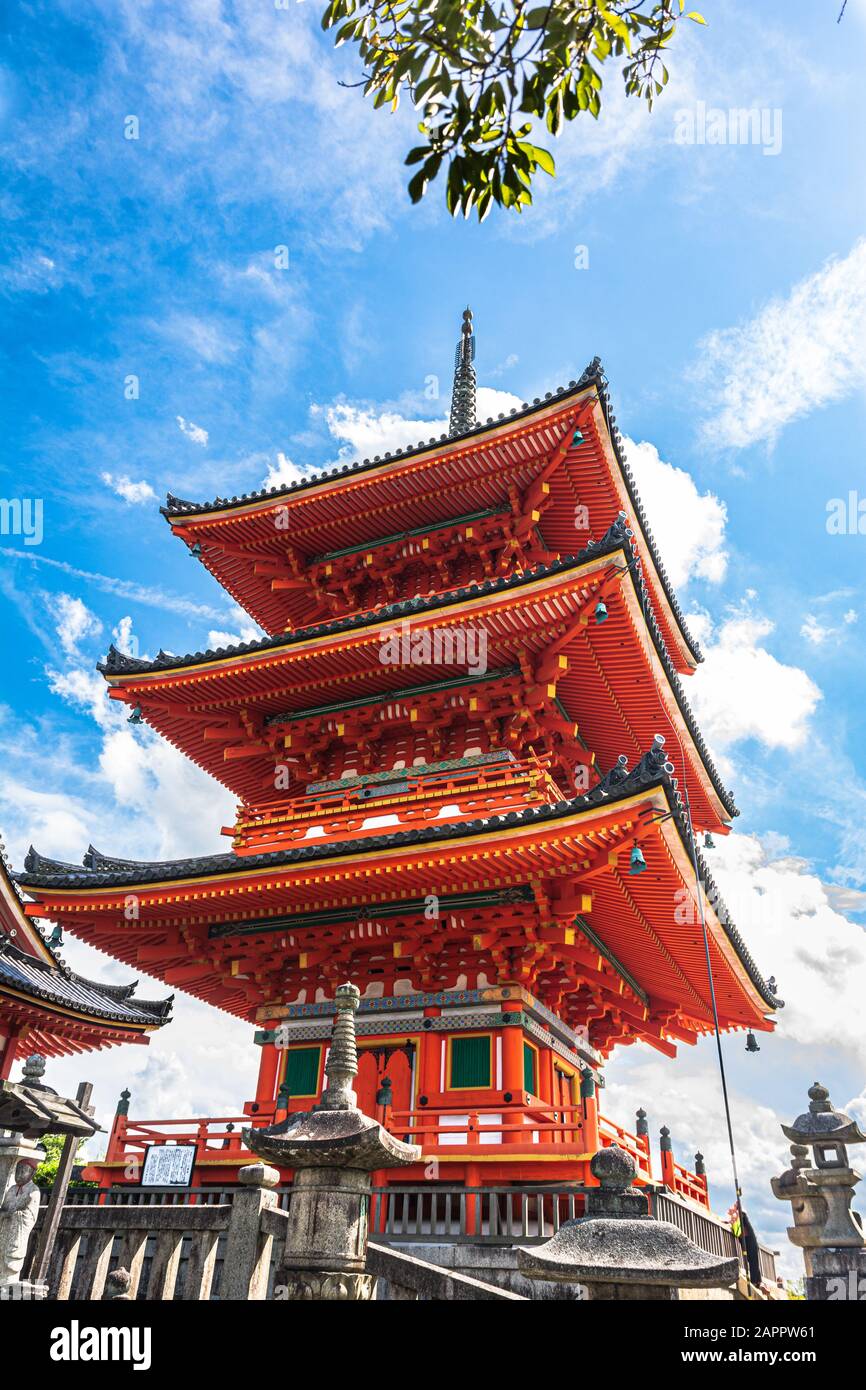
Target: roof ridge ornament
{"type": "Point", "coordinates": [463, 395]}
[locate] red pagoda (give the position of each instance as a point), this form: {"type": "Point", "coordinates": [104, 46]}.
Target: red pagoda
{"type": "Point", "coordinates": [458, 755]}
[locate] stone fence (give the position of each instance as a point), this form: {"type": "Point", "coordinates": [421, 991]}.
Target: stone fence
{"type": "Point", "coordinates": [226, 1250]}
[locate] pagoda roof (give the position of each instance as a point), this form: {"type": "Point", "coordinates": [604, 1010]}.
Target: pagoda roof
{"type": "Point", "coordinates": [534, 421]}
{"type": "Point", "coordinates": [58, 985]}
{"type": "Point", "coordinates": [63, 1010]}
{"type": "Point", "coordinates": [196, 673]}
{"type": "Point", "coordinates": [646, 790]}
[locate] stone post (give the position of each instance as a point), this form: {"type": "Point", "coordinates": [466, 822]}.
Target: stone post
{"type": "Point", "coordinates": [333, 1150]}
{"type": "Point", "coordinates": [826, 1229]}
{"type": "Point", "coordinates": [247, 1261]}
{"type": "Point", "coordinates": [618, 1251]}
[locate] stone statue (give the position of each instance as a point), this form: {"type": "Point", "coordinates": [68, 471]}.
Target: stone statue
{"type": "Point", "coordinates": [18, 1212]}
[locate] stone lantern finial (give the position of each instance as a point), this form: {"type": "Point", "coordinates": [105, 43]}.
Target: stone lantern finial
{"type": "Point", "coordinates": [34, 1069]}
{"type": "Point", "coordinates": [341, 1067]}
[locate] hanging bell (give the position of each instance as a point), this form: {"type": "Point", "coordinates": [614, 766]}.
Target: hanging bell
{"type": "Point", "coordinates": [637, 863]}
{"type": "Point", "coordinates": [709, 842]}
{"type": "Point", "coordinates": [751, 1042]}
{"type": "Point", "coordinates": [135, 717]}
{"type": "Point", "coordinates": [577, 438]}
{"type": "Point", "coordinates": [601, 611]}
{"type": "Point", "coordinates": [56, 938]}
{"type": "Point", "coordinates": [195, 550]}
{"type": "Point", "coordinates": [385, 1094]}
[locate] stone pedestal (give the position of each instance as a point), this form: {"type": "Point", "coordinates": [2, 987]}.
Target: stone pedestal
{"type": "Point", "coordinates": [246, 1266]}
{"type": "Point", "coordinates": [333, 1151]}
{"type": "Point", "coordinates": [837, 1276]}
{"type": "Point", "coordinates": [620, 1253]}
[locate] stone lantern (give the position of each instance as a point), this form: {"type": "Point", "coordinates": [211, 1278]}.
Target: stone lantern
{"type": "Point", "coordinates": [826, 1229]}
{"type": "Point", "coordinates": [618, 1251]}
{"type": "Point", "coordinates": [333, 1151]}
{"type": "Point", "coordinates": [28, 1110]}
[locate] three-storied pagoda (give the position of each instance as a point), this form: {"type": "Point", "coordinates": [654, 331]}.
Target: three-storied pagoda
{"type": "Point", "coordinates": [458, 755]}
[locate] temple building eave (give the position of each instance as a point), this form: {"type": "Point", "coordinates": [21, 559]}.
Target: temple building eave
{"type": "Point", "coordinates": [611, 560]}
{"type": "Point", "coordinates": [592, 386]}
{"type": "Point", "coordinates": [644, 804]}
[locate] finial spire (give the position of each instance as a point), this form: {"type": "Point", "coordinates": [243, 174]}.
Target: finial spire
{"type": "Point", "coordinates": [463, 394]}
{"type": "Point", "coordinates": [342, 1064]}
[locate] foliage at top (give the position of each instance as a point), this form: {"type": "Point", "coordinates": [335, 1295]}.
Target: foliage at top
{"type": "Point", "coordinates": [481, 72]}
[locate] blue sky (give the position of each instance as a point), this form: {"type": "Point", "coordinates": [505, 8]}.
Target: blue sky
{"type": "Point", "coordinates": [725, 293]}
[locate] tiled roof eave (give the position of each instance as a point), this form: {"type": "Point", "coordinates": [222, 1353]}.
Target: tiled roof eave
{"type": "Point", "coordinates": [50, 874]}
{"type": "Point", "coordinates": [57, 986]}
{"type": "Point", "coordinates": [616, 540]}
{"type": "Point", "coordinates": [594, 375]}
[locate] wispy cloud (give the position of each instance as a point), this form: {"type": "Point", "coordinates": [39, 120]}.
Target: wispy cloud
{"type": "Point", "coordinates": [124, 588]}
{"type": "Point", "coordinates": [798, 353]}
{"type": "Point", "coordinates": [195, 433]}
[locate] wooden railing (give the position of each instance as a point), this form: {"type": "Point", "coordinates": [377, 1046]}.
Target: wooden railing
{"type": "Point", "coordinates": [638, 1145]}
{"type": "Point", "coordinates": [412, 796]}
{"type": "Point", "coordinates": [691, 1186]}
{"type": "Point", "coordinates": [429, 1214]}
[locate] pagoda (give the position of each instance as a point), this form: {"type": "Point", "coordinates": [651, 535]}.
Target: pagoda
{"type": "Point", "coordinates": [468, 781]}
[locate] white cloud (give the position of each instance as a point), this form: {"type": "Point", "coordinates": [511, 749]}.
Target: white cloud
{"type": "Point", "coordinates": [75, 622]}
{"type": "Point", "coordinates": [742, 691]}
{"type": "Point", "coordinates": [794, 930]}
{"type": "Point", "coordinates": [813, 631]}
{"type": "Point", "coordinates": [195, 433]}
{"type": "Point", "coordinates": [796, 354]}
{"type": "Point", "coordinates": [369, 429]}
{"type": "Point", "coordinates": [281, 473]}
{"type": "Point", "coordinates": [204, 338]}
{"type": "Point", "coordinates": [688, 525]}
{"type": "Point", "coordinates": [820, 630]}
{"type": "Point", "coordinates": [130, 492]}
{"type": "Point", "coordinates": [31, 274]}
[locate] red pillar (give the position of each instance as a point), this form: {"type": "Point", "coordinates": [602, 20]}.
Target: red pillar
{"type": "Point", "coordinates": [269, 1066]}
{"type": "Point", "coordinates": [14, 1045]}
{"type": "Point", "coordinates": [589, 1114]}
{"type": "Point", "coordinates": [512, 1072]}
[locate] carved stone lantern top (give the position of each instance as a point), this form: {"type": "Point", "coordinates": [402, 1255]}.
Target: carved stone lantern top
{"type": "Point", "coordinates": [335, 1133]}
{"type": "Point", "coordinates": [821, 1124]}
{"type": "Point", "coordinates": [618, 1242]}
{"type": "Point", "coordinates": [31, 1108]}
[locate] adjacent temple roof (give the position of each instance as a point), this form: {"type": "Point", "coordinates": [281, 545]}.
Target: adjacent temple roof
{"type": "Point", "coordinates": [463, 401]}
{"type": "Point", "coordinates": [37, 987]}
{"type": "Point", "coordinates": [652, 772]}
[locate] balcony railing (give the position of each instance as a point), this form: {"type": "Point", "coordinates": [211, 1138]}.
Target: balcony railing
{"type": "Point", "coordinates": [506, 1132]}
{"type": "Point", "coordinates": [410, 797]}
